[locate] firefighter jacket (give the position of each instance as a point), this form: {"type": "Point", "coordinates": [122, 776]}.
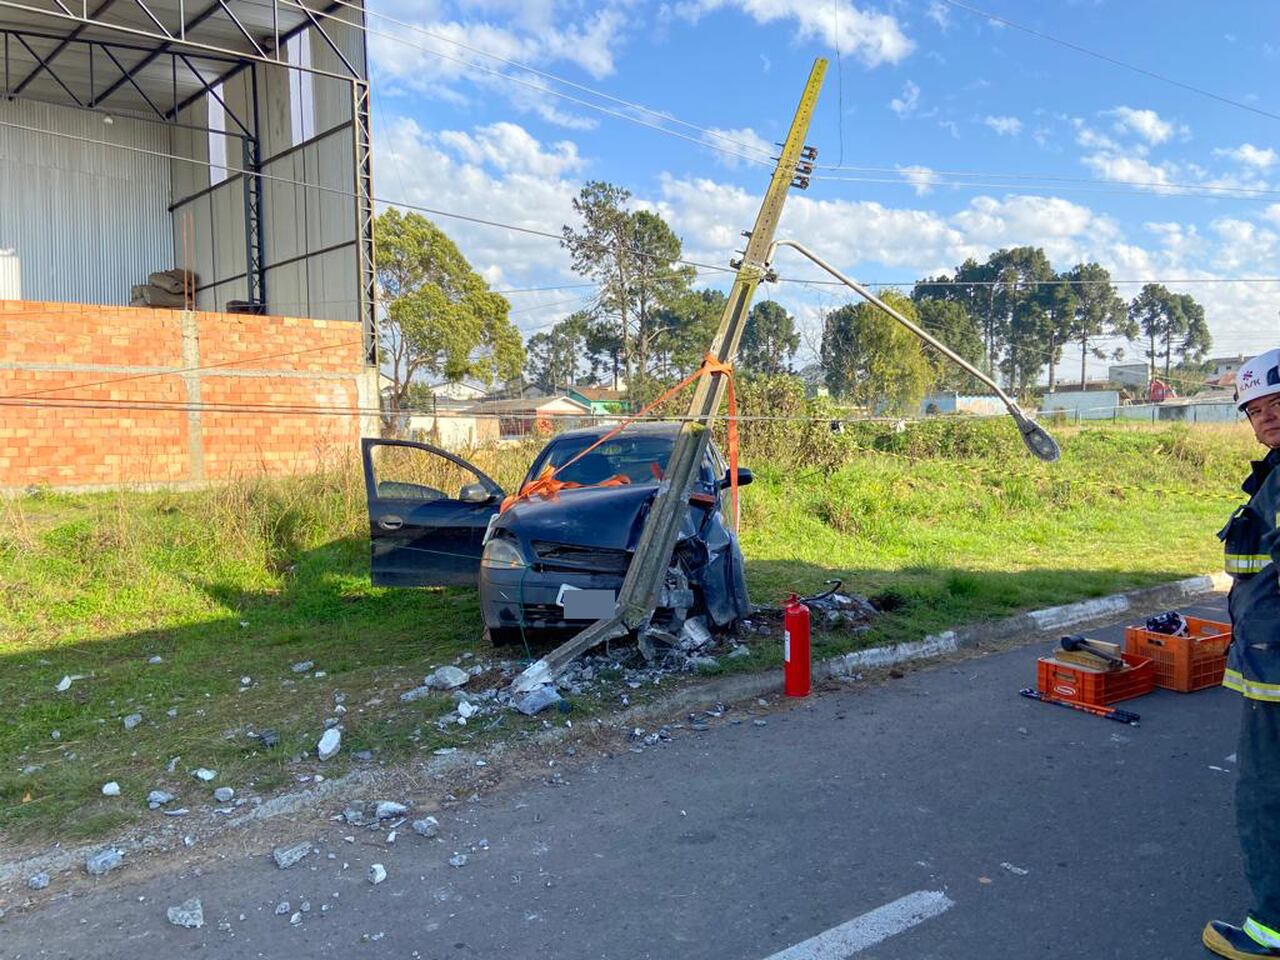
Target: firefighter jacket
{"type": "Point", "coordinates": [1252, 548]}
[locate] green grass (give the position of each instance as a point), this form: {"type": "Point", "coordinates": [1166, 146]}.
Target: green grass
{"type": "Point", "coordinates": [946, 524]}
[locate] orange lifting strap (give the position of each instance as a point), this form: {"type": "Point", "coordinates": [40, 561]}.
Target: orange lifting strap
{"type": "Point", "coordinates": [546, 484]}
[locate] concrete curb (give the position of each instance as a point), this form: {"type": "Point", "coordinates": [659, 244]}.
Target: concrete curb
{"type": "Point", "coordinates": [737, 687]}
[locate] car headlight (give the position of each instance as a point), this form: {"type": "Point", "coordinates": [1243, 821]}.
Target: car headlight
{"type": "Point", "coordinates": [502, 554]}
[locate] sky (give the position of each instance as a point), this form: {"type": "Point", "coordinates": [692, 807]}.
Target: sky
{"type": "Point", "coordinates": [941, 133]}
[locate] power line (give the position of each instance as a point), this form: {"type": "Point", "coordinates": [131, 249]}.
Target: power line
{"type": "Point", "coordinates": [662, 115]}
{"type": "Point", "coordinates": [1112, 60]}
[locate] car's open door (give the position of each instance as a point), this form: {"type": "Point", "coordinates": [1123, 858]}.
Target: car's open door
{"type": "Point", "coordinates": [428, 511]}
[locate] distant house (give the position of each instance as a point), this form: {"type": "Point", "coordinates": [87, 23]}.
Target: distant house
{"type": "Point", "coordinates": [1222, 366]}
{"type": "Point", "coordinates": [602, 401]}
{"type": "Point", "coordinates": [537, 416]}
{"type": "Point", "coordinates": [461, 390]}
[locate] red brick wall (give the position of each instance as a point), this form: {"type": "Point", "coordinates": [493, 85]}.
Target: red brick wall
{"type": "Point", "coordinates": [103, 396]}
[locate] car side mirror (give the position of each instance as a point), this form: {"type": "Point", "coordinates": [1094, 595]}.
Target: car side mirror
{"type": "Point", "coordinates": [475, 493]}
{"type": "Point", "coordinates": [744, 477]}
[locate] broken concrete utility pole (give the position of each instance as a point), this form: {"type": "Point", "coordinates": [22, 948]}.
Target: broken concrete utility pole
{"type": "Point", "coordinates": [1036, 437]}
{"type": "Point", "coordinates": [639, 594]}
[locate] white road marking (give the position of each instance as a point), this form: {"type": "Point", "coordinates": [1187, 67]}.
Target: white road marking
{"type": "Point", "coordinates": [842, 942]}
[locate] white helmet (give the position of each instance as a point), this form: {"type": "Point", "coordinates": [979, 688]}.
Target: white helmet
{"type": "Point", "coordinates": [1260, 377]}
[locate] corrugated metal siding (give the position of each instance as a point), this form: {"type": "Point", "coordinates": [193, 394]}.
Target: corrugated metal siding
{"type": "Point", "coordinates": [85, 221]}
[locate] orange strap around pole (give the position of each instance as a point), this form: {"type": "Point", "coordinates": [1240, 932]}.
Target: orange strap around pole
{"type": "Point", "coordinates": [546, 484]}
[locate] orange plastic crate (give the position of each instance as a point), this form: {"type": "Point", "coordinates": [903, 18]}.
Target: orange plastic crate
{"type": "Point", "coordinates": [1063, 681]}
{"type": "Point", "coordinates": [1184, 663]}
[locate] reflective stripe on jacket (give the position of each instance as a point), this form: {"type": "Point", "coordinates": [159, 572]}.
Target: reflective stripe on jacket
{"type": "Point", "coordinates": [1252, 556]}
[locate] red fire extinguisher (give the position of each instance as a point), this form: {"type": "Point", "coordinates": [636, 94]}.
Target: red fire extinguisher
{"type": "Point", "coordinates": [796, 675]}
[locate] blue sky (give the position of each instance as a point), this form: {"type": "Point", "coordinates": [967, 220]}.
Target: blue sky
{"type": "Point", "coordinates": [936, 128]}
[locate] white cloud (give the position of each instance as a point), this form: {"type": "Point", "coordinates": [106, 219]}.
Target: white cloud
{"type": "Point", "coordinates": [508, 147]}
{"type": "Point", "coordinates": [1005, 126]}
{"type": "Point", "coordinates": [921, 178]}
{"type": "Point", "coordinates": [906, 104]}
{"type": "Point", "coordinates": [1247, 155]}
{"type": "Point", "coordinates": [872, 37]}
{"type": "Point", "coordinates": [1272, 213]}
{"type": "Point", "coordinates": [1135, 170]}
{"type": "Point", "coordinates": [1244, 245]}
{"type": "Point", "coordinates": [439, 59]}
{"type": "Point", "coordinates": [952, 127]}
{"type": "Point", "coordinates": [738, 148]}
{"type": "Point", "coordinates": [1146, 124]}
{"type": "Point", "coordinates": [939, 13]}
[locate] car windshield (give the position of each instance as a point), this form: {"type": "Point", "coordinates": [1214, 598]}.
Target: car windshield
{"type": "Point", "coordinates": [641, 458]}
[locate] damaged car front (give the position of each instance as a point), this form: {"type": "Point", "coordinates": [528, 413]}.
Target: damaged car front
{"type": "Point", "coordinates": [552, 562]}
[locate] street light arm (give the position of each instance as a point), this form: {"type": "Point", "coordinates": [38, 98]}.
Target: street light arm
{"type": "Point", "coordinates": [1037, 439]}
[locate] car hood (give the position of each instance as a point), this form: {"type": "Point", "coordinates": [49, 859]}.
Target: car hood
{"type": "Point", "coordinates": [609, 517]}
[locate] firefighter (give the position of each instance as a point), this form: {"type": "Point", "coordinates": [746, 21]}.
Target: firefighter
{"type": "Point", "coordinates": [1252, 547]}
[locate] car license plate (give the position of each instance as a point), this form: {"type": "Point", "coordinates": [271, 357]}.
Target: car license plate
{"type": "Point", "coordinates": [582, 604]}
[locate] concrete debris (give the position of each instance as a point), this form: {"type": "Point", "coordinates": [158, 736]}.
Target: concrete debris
{"type": "Point", "coordinates": [246, 681]}
{"type": "Point", "coordinates": [286, 857]}
{"type": "Point", "coordinates": [295, 919]}
{"type": "Point", "coordinates": [426, 827]}
{"type": "Point", "coordinates": [447, 678]}
{"type": "Point", "coordinates": [467, 710]}
{"type": "Point", "coordinates": [55, 734]}
{"type": "Point", "coordinates": [180, 812]}
{"type": "Point", "coordinates": [417, 693]}
{"type": "Point", "coordinates": [205, 774]}
{"type": "Point", "coordinates": [389, 810]}
{"type": "Point", "coordinates": [224, 795]}
{"type": "Point", "coordinates": [537, 700]}
{"type": "Point", "coordinates": [377, 873]}
{"type": "Point", "coordinates": [282, 908]}
{"type": "Point", "coordinates": [189, 914]}
{"type": "Point", "coordinates": [739, 651]}
{"type": "Point", "coordinates": [329, 744]}
{"type": "Point", "coordinates": [155, 660]}
{"type": "Point", "coordinates": [302, 667]}
{"type": "Point", "coordinates": [111, 789]}
{"type": "Point", "coordinates": [760, 723]}
{"type": "Point", "coordinates": [694, 635]}
{"type": "Point", "coordinates": [38, 882]}
{"type": "Point", "coordinates": [65, 683]}
{"type": "Point", "coordinates": [694, 664]}
{"type": "Point", "coordinates": [1016, 871]}
{"type": "Point", "coordinates": [158, 798]}
{"type": "Point", "coordinates": [171, 713]}
{"type": "Point", "coordinates": [268, 738]}
{"type": "Point", "coordinates": [103, 862]}
{"type": "Point", "coordinates": [458, 860]}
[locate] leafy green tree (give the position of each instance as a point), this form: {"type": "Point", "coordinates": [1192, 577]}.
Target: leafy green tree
{"type": "Point", "coordinates": [769, 339]}
{"type": "Point", "coordinates": [871, 359]}
{"type": "Point", "coordinates": [634, 257]}
{"type": "Point", "coordinates": [441, 317]}
{"type": "Point", "coordinates": [555, 356]}
{"type": "Point", "coordinates": [950, 322]}
{"type": "Point", "coordinates": [1173, 323]}
{"type": "Point", "coordinates": [691, 321]}
{"type": "Point", "coordinates": [972, 287]}
{"type": "Point", "coordinates": [1020, 313]}
{"type": "Point", "coordinates": [1059, 300]}
{"type": "Point", "coordinates": [1097, 311]}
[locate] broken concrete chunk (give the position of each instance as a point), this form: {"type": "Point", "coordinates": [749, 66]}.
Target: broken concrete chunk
{"type": "Point", "coordinates": [739, 651]}
{"type": "Point", "coordinates": [329, 744]}
{"type": "Point", "coordinates": [103, 862]}
{"type": "Point", "coordinates": [377, 873]}
{"type": "Point", "coordinates": [65, 683]}
{"type": "Point", "coordinates": [38, 882]}
{"type": "Point", "coordinates": [447, 678]}
{"type": "Point", "coordinates": [467, 710]}
{"type": "Point", "coordinates": [426, 827]}
{"type": "Point", "coordinates": [302, 667]}
{"type": "Point", "coordinates": [155, 660]}
{"type": "Point", "coordinates": [702, 663]}
{"type": "Point", "coordinates": [111, 789]}
{"type": "Point", "coordinates": [158, 798]}
{"type": "Point", "coordinates": [694, 635]}
{"type": "Point", "coordinates": [458, 860]}
{"type": "Point", "coordinates": [537, 700]}
{"type": "Point", "coordinates": [205, 774]}
{"type": "Point", "coordinates": [417, 693]}
{"type": "Point", "coordinates": [224, 794]}
{"type": "Point", "coordinates": [389, 809]}
{"type": "Point", "coordinates": [282, 908]}
{"type": "Point", "coordinates": [189, 914]}
{"type": "Point", "coordinates": [286, 857]}
{"type": "Point", "coordinates": [132, 720]}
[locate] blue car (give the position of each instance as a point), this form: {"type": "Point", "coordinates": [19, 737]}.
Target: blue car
{"type": "Point", "coordinates": [530, 559]}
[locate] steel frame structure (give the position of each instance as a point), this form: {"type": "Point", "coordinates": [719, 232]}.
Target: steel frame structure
{"type": "Point", "coordinates": [180, 47]}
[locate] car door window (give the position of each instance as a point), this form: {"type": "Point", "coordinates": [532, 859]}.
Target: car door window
{"type": "Point", "coordinates": [418, 475]}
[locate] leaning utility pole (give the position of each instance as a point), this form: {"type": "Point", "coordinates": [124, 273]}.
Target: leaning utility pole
{"type": "Point", "coordinates": [639, 594]}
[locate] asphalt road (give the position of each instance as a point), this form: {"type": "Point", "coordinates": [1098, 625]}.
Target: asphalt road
{"type": "Point", "coordinates": [935, 816]}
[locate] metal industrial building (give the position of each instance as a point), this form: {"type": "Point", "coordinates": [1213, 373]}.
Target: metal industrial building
{"type": "Point", "coordinates": [229, 138]}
